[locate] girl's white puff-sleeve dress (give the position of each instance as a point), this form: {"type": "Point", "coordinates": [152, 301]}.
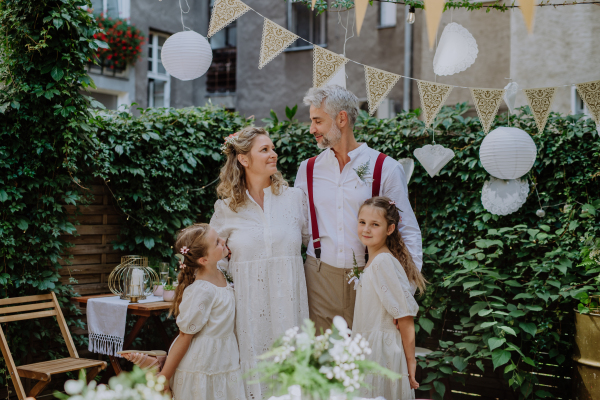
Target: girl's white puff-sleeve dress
{"type": "Point", "coordinates": [210, 369]}
{"type": "Point", "coordinates": [267, 270]}
{"type": "Point", "coordinates": [385, 294]}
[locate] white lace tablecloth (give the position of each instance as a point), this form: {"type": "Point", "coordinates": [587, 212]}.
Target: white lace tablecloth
{"type": "Point", "coordinates": [106, 320]}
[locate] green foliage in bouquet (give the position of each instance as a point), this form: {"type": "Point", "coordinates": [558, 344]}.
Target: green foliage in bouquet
{"type": "Point", "coordinates": [320, 365]}
{"type": "Point", "coordinates": [135, 385]}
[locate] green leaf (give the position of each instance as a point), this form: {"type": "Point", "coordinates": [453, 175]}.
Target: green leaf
{"type": "Point", "coordinates": [426, 324]}
{"type": "Point", "coordinates": [58, 22]}
{"type": "Point", "coordinates": [446, 369]}
{"type": "Point", "coordinates": [508, 330]}
{"type": "Point", "coordinates": [477, 307]}
{"type": "Point", "coordinates": [474, 293]}
{"type": "Point", "coordinates": [483, 313]}
{"type": "Point", "coordinates": [480, 365]}
{"type": "Point", "coordinates": [470, 284]}
{"type": "Point", "coordinates": [440, 388]}
{"type": "Point", "coordinates": [470, 347]}
{"type": "Point", "coordinates": [149, 242]}
{"type": "Point", "coordinates": [524, 296]}
{"type": "Point", "coordinates": [528, 327]}
{"type": "Point", "coordinates": [500, 357]}
{"type": "Point", "coordinates": [3, 196]}
{"type": "Point", "coordinates": [509, 368]}
{"type": "Point", "coordinates": [22, 224]}
{"type": "Point", "coordinates": [119, 149]}
{"type": "Point", "coordinates": [495, 342]}
{"type": "Point", "coordinates": [488, 324]}
{"type": "Point", "coordinates": [459, 363]}
{"type": "Point", "coordinates": [57, 73]}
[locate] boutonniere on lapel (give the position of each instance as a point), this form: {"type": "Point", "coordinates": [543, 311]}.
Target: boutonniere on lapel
{"type": "Point", "coordinates": [363, 172]}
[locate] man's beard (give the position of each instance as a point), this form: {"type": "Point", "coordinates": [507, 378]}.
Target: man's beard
{"type": "Point", "coordinates": [332, 138]}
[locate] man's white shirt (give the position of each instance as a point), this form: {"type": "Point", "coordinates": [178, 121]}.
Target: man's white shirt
{"type": "Point", "coordinates": [339, 195]}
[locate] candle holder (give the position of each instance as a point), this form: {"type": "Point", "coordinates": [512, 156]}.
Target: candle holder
{"type": "Point", "coordinates": [132, 279]}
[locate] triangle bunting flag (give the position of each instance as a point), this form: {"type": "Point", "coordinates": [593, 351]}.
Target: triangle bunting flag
{"type": "Point", "coordinates": [528, 9]}
{"type": "Point", "coordinates": [433, 96]}
{"type": "Point", "coordinates": [540, 101]}
{"type": "Point", "coordinates": [325, 65]}
{"type": "Point", "coordinates": [487, 102]}
{"type": "Point", "coordinates": [379, 83]}
{"type": "Point", "coordinates": [360, 9]}
{"type": "Point", "coordinates": [433, 15]}
{"type": "Point", "coordinates": [224, 13]}
{"type": "Point", "coordinates": [590, 94]}
{"type": "Point", "coordinates": [275, 39]}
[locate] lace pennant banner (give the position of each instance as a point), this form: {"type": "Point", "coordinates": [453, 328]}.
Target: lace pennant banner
{"type": "Point", "coordinates": [313, 5]}
{"type": "Point", "coordinates": [528, 9]}
{"type": "Point", "coordinates": [379, 83]}
{"type": "Point", "coordinates": [590, 94]}
{"type": "Point", "coordinates": [275, 39]}
{"type": "Point", "coordinates": [487, 102]}
{"type": "Point", "coordinates": [433, 96]}
{"type": "Point", "coordinates": [224, 13]}
{"type": "Point", "coordinates": [360, 9]}
{"type": "Point", "coordinates": [325, 65]}
{"type": "Point", "coordinates": [540, 101]}
{"type": "Point", "coordinates": [433, 14]}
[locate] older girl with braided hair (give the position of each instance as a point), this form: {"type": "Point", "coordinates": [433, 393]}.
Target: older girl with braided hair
{"type": "Point", "coordinates": [203, 362]}
{"type": "Point", "coordinates": [385, 305]}
{"type": "Point", "coordinates": [264, 222]}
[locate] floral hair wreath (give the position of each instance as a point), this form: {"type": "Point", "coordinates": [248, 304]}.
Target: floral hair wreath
{"type": "Point", "coordinates": [229, 141]}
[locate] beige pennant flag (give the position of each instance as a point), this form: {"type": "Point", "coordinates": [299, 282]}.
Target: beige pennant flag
{"type": "Point", "coordinates": [590, 94]}
{"type": "Point", "coordinates": [433, 14]}
{"type": "Point", "coordinates": [360, 9]}
{"type": "Point", "coordinates": [275, 39]}
{"type": "Point", "coordinates": [224, 13]}
{"type": "Point", "coordinates": [379, 83]}
{"type": "Point", "coordinates": [540, 101]}
{"type": "Point", "coordinates": [487, 102]}
{"type": "Point", "coordinates": [325, 65]}
{"type": "Point", "coordinates": [528, 9]}
{"type": "Point", "coordinates": [433, 96]}
{"type": "Point", "coordinates": [313, 5]}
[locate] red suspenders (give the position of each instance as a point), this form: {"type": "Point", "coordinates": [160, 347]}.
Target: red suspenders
{"type": "Point", "coordinates": [310, 166]}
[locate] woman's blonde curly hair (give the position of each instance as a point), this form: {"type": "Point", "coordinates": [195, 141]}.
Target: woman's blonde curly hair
{"type": "Point", "coordinates": [233, 174]}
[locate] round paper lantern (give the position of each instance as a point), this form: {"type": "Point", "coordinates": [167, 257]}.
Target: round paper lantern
{"type": "Point", "coordinates": [507, 153]}
{"type": "Point", "coordinates": [186, 55]}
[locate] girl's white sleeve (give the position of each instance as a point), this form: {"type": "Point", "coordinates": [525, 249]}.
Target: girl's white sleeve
{"type": "Point", "coordinates": [195, 307]}
{"type": "Point", "coordinates": [392, 288]}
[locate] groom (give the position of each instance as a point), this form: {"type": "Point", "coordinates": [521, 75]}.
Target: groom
{"type": "Point", "coordinates": [338, 181]}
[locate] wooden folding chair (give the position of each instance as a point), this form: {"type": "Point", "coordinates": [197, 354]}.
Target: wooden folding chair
{"type": "Point", "coordinates": [45, 305]}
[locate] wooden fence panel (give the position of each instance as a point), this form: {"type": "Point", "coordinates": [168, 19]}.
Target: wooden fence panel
{"type": "Point", "coordinates": [93, 257]}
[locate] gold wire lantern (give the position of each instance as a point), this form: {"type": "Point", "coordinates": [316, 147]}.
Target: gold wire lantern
{"type": "Point", "coordinates": [132, 279]}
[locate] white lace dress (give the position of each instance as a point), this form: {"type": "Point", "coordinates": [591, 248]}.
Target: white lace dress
{"type": "Point", "coordinates": [267, 270]}
{"type": "Point", "coordinates": [384, 294]}
{"type": "Point", "coordinates": [210, 369]}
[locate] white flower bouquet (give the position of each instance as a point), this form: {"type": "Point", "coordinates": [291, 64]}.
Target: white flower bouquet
{"type": "Point", "coordinates": [135, 385]}
{"type": "Point", "coordinates": [330, 363]}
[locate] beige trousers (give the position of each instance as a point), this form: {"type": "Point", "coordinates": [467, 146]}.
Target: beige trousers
{"type": "Point", "coordinates": [329, 294]}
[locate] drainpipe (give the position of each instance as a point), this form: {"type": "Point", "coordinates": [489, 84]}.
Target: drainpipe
{"type": "Point", "coordinates": [408, 32]}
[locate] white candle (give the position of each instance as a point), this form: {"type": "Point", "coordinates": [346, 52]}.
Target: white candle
{"type": "Point", "coordinates": [137, 282]}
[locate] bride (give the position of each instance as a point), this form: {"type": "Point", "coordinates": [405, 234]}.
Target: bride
{"type": "Point", "coordinates": [264, 223]}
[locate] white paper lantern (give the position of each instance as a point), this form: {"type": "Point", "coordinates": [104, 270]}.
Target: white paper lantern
{"type": "Point", "coordinates": [186, 55]}
{"type": "Point", "coordinates": [507, 153]}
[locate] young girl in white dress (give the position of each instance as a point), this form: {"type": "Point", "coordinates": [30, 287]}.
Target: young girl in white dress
{"type": "Point", "coordinates": [264, 222]}
{"type": "Point", "coordinates": [203, 362]}
{"type": "Point", "coordinates": [385, 305]}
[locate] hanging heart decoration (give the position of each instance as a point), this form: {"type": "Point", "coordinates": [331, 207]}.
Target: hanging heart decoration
{"type": "Point", "coordinates": [433, 158]}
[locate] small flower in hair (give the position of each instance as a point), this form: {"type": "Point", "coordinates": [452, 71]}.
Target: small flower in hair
{"type": "Point", "coordinates": [392, 203]}
{"type": "Point", "coordinates": [184, 250]}
{"type": "Point", "coordinates": [229, 140]}
{"type": "Point", "coordinates": [181, 261]}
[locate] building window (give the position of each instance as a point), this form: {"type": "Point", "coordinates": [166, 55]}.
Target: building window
{"type": "Point", "coordinates": [221, 76]}
{"type": "Point", "coordinates": [159, 81]}
{"type": "Point", "coordinates": [387, 15]}
{"type": "Point", "coordinates": [306, 24]}
{"type": "Point", "coordinates": [112, 8]}
{"type": "Point", "coordinates": [577, 104]}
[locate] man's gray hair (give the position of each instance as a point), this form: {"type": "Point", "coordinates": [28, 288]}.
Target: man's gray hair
{"type": "Point", "coordinates": [333, 99]}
